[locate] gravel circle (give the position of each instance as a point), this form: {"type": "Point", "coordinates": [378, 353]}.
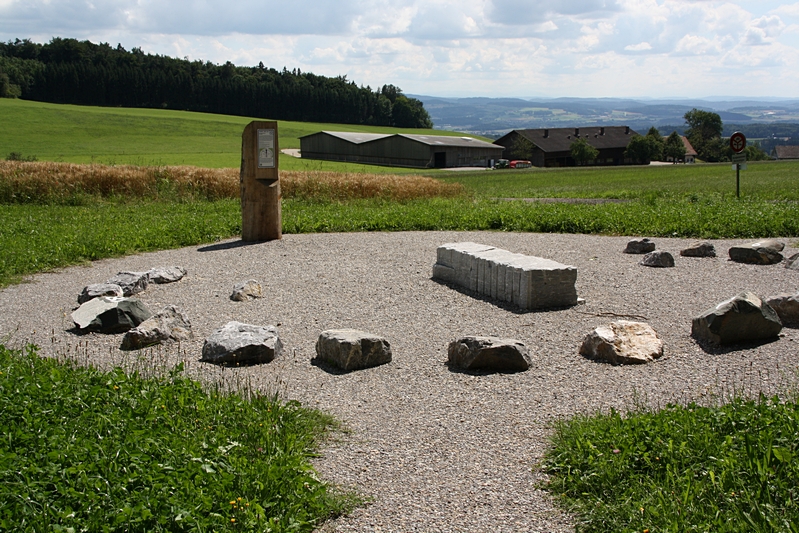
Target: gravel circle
{"type": "Point", "coordinates": [436, 450]}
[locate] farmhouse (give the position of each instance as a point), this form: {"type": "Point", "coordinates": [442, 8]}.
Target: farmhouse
{"type": "Point", "coordinates": [690, 153]}
{"type": "Point", "coordinates": [400, 150]}
{"type": "Point", "coordinates": [551, 147]}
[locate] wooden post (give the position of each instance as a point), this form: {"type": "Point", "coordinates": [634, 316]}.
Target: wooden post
{"type": "Point", "coordinates": [260, 183]}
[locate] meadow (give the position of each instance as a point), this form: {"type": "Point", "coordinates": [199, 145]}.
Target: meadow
{"type": "Point", "coordinates": [152, 137]}
{"type": "Point", "coordinates": [113, 182]}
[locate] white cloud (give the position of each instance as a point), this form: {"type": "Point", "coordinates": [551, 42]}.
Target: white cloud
{"type": "Point", "coordinates": [640, 47]}
{"type": "Point", "coordinates": [468, 47]}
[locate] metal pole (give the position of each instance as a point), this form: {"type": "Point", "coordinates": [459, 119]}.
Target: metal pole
{"type": "Point", "coordinates": [737, 180]}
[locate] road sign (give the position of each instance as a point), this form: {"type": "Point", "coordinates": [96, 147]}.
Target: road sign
{"type": "Point", "coordinates": [739, 158]}
{"type": "Point", "coordinates": [738, 142]}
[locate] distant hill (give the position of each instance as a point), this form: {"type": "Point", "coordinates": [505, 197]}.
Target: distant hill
{"type": "Point", "coordinates": [493, 117]}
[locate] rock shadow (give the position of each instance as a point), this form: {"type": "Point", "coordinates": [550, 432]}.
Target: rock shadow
{"type": "Point", "coordinates": [328, 367]}
{"type": "Point", "coordinates": [712, 348]}
{"type": "Point", "coordinates": [505, 306]}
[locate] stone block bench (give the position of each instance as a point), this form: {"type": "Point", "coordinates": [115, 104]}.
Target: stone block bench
{"type": "Point", "coordinates": [526, 281]}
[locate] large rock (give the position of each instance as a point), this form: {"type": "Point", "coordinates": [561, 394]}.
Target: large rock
{"type": "Point", "coordinates": [170, 324]}
{"type": "Point", "coordinates": [787, 307]}
{"type": "Point", "coordinates": [658, 258]}
{"type": "Point", "coordinates": [131, 282]}
{"type": "Point", "coordinates": [488, 353]}
{"type": "Point", "coordinates": [238, 343]}
{"type": "Point", "coordinates": [110, 314]}
{"type": "Point", "coordinates": [526, 281]}
{"type": "Point", "coordinates": [699, 249]}
{"type": "Point", "coordinates": [96, 290]}
{"type": "Point", "coordinates": [765, 252]}
{"type": "Point", "coordinates": [246, 290]}
{"type": "Point", "coordinates": [792, 263]}
{"type": "Point", "coordinates": [166, 274]}
{"type": "Point", "coordinates": [623, 342]}
{"type": "Point", "coordinates": [742, 318]}
{"type": "Point", "coordinates": [350, 349]}
{"type": "Point", "coordinates": [639, 246]}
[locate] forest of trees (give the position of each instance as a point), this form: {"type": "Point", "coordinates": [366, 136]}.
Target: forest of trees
{"type": "Point", "coordinates": [68, 71]}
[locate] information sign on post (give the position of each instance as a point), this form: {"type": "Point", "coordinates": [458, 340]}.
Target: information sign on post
{"type": "Point", "coordinates": [261, 218]}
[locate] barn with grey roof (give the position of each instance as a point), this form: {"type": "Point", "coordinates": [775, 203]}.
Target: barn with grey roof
{"type": "Point", "coordinates": [400, 150]}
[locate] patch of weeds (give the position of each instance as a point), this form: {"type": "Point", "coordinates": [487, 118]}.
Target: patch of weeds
{"type": "Point", "coordinates": [17, 156]}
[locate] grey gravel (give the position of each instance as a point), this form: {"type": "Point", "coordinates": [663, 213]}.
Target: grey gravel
{"type": "Point", "coordinates": [437, 450]}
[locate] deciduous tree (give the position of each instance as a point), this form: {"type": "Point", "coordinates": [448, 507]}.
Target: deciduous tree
{"type": "Point", "coordinates": [582, 152]}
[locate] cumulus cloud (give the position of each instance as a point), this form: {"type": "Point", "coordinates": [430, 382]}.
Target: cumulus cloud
{"type": "Point", "coordinates": [477, 47]}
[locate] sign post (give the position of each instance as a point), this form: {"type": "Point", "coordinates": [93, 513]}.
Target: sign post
{"type": "Point", "coordinates": [261, 218]}
{"type": "Point", "coordinates": [737, 144]}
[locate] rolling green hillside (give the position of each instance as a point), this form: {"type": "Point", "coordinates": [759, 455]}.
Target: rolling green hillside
{"type": "Point", "coordinates": [84, 134]}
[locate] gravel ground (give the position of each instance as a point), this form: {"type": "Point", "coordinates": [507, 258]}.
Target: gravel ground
{"type": "Point", "coordinates": [437, 450]}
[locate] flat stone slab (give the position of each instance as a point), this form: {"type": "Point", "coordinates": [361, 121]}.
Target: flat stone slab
{"type": "Point", "coordinates": [527, 281]}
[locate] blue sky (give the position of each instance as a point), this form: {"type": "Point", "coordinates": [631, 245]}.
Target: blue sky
{"type": "Point", "coordinates": [522, 48]}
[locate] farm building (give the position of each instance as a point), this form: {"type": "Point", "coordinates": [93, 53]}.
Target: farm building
{"type": "Point", "coordinates": [400, 150]}
{"type": "Point", "coordinates": [552, 147]}
{"type": "Point", "coordinates": [785, 152]}
{"type": "Point", "coordinates": [690, 153]}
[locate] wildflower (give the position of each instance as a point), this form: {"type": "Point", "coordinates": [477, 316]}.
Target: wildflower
{"type": "Point", "coordinates": [232, 502]}
{"type": "Point", "coordinates": [232, 520]}
{"type": "Point", "coordinates": [616, 450]}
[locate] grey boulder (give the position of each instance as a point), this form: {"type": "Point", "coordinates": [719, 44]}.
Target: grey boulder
{"type": "Point", "coordinates": [351, 349]}
{"type": "Point", "coordinates": [787, 307]}
{"type": "Point", "coordinates": [639, 246]}
{"type": "Point", "coordinates": [659, 259]}
{"type": "Point", "coordinates": [110, 314]}
{"type": "Point", "coordinates": [742, 318]}
{"type": "Point", "coordinates": [699, 249]}
{"type": "Point", "coordinates": [170, 324]}
{"type": "Point", "coordinates": [131, 282]}
{"type": "Point", "coordinates": [166, 274]}
{"type": "Point", "coordinates": [792, 263]}
{"type": "Point", "coordinates": [488, 354]}
{"type": "Point", "coordinates": [766, 252]}
{"type": "Point", "coordinates": [623, 342]}
{"type": "Point", "coordinates": [238, 343]}
{"type": "Point", "coordinates": [246, 290]}
{"type": "Point", "coordinates": [96, 290]}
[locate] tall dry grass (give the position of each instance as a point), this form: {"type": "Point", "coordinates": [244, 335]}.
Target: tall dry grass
{"type": "Point", "coordinates": [42, 182]}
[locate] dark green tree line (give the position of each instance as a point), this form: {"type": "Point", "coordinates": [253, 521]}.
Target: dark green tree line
{"type": "Point", "coordinates": [81, 72]}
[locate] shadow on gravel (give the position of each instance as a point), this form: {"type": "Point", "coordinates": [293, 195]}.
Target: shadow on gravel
{"type": "Point", "coordinates": [327, 367]}
{"type": "Point", "coordinates": [226, 246]}
{"type": "Point", "coordinates": [716, 349]}
{"type": "Point", "coordinates": [505, 306]}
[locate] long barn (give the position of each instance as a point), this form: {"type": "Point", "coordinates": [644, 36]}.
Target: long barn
{"type": "Point", "coordinates": [551, 147]}
{"type": "Point", "coordinates": [400, 150]}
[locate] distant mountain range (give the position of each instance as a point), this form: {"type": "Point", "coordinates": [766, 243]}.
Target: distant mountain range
{"type": "Point", "coordinates": [493, 117]}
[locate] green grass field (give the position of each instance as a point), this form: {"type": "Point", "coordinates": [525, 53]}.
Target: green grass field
{"type": "Point", "coordinates": [85, 450]}
{"type": "Point", "coordinates": [108, 135]}
{"type": "Point", "coordinates": [769, 180]}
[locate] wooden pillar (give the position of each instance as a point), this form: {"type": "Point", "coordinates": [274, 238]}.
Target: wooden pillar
{"type": "Point", "coordinates": [260, 183]}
